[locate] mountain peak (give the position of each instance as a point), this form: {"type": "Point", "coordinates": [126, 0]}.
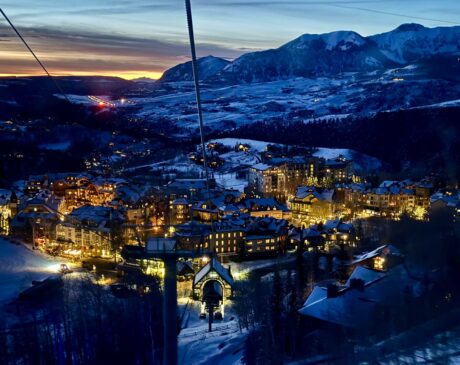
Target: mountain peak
{"type": "Point", "coordinates": [409, 27]}
{"type": "Point", "coordinates": [343, 39]}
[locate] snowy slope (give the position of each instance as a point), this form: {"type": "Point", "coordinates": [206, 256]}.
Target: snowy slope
{"type": "Point", "coordinates": [18, 267]}
{"type": "Point", "coordinates": [309, 55]}
{"type": "Point", "coordinates": [361, 162]}
{"type": "Point", "coordinates": [207, 67]}
{"type": "Point", "coordinates": [411, 42]}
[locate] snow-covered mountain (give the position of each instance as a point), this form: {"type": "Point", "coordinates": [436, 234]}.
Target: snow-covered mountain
{"type": "Point", "coordinates": [318, 55]}
{"type": "Point", "coordinates": [309, 55]}
{"type": "Point", "coordinates": [207, 67]}
{"type": "Point", "coordinates": [412, 42]}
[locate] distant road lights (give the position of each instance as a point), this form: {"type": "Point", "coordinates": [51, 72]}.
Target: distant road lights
{"type": "Point", "coordinates": [122, 100]}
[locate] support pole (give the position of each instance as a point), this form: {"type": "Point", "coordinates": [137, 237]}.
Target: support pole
{"type": "Point", "coordinates": [211, 317]}
{"type": "Point", "coordinates": [170, 313]}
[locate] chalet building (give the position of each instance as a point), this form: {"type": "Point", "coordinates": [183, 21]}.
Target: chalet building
{"type": "Point", "coordinates": [205, 211]}
{"type": "Point", "coordinates": [90, 194]}
{"type": "Point", "coordinates": [8, 209]}
{"type": "Point", "coordinates": [445, 202]}
{"type": "Point", "coordinates": [234, 235]}
{"type": "Point", "coordinates": [37, 183]}
{"type": "Point", "coordinates": [336, 170]}
{"type": "Point", "coordinates": [265, 235]}
{"type": "Point", "coordinates": [300, 170]}
{"type": "Point", "coordinates": [180, 211]}
{"type": "Point", "coordinates": [136, 215]}
{"type": "Point", "coordinates": [390, 198]}
{"type": "Point", "coordinates": [89, 231]}
{"type": "Point", "coordinates": [311, 205]}
{"type": "Point", "coordinates": [192, 189]}
{"type": "Point", "coordinates": [266, 180]}
{"type": "Point", "coordinates": [227, 238]}
{"type": "Point", "coordinates": [281, 176]}
{"type": "Point", "coordinates": [37, 217]}
{"type": "Point", "coordinates": [228, 209]}
{"type": "Point", "coordinates": [333, 235]}
{"type": "Point", "coordinates": [374, 293]}
{"type": "Point", "coordinates": [264, 207]}
{"type": "Point", "coordinates": [192, 235]}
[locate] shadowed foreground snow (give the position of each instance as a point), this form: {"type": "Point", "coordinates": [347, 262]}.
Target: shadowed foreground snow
{"type": "Point", "coordinates": [223, 346]}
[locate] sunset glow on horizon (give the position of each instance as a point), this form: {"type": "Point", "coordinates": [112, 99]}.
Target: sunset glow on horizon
{"type": "Point", "coordinates": [128, 75]}
{"type": "Point", "coordinates": [132, 39]}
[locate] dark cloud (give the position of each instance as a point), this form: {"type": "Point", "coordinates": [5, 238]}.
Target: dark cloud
{"type": "Point", "coordinates": [79, 51]}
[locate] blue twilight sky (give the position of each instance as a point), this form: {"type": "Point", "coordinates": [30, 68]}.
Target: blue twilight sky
{"type": "Point", "coordinates": [134, 38]}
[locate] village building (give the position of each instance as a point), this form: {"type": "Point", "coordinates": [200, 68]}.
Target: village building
{"type": "Point", "coordinates": [372, 294]}
{"type": "Point", "coordinates": [311, 205]}
{"type": "Point", "coordinates": [265, 236]}
{"type": "Point", "coordinates": [37, 218]}
{"type": "Point", "coordinates": [264, 207]}
{"type": "Point", "coordinates": [180, 211]}
{"type": "Point", "coordinates": [389, 199]}
{"type": "Point", "coordinates": [336, 170]}
{"type": "Point", "coordinates": [331, 236]}
{"type": "Point", "coordinates": [280, 176]}
{"type": "Point", "coordinates": [8, 209]}
{"type": "Point", "coordinates": [90, 231]}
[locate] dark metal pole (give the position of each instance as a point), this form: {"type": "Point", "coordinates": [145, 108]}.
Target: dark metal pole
{"type": "Point", "coordinates": [191, 35]}
{"type": "Point", "coordinates": [170, 312]}
{"type": "Point", "coordinates": [211, 317]}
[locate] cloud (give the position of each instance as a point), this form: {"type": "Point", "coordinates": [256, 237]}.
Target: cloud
{"type": "Point", "coordinates": [74, 51]}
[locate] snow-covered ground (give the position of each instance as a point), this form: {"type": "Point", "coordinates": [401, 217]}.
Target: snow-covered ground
{"type": "Point", "coordinates": [19, 266]}
{"type": "Point", "coordinates": [231, 142]}
{"type": "Point", "coordinates": [226, 175]}
{"type": "Point", "coordinates": [224, 345]}
{"type": "Point", "coordinates": [230, 181]}
{"type": "Point", "coordinates": [360, 161]}
{"type": "Point", "coordinates": [303, 99]}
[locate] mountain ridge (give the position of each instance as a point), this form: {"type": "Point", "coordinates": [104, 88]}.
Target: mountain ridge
{"type": "Point", "coordinates": [328, 54]}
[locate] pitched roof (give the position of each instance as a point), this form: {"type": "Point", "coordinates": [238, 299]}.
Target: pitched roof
{"type": "Point", "coordinates": [261, 166]}
{"type": "Point", "coordinates": [213, 265]}
{"type": "Point", "coordinates": [355, 308]}
{"type": "Point", "coordinates": [384, 250]}
{"type": "Point", "coordinates": [304, 191]}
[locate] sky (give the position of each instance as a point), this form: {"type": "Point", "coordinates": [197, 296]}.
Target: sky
{"type": "Point", "coordinates": [142, 38]}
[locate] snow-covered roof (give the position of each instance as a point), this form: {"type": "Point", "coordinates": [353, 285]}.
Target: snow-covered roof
{"type": "Point", "coordinates": [353, 307]}
{"type": "Point", "coordinates": [213, 265]}
{"type": "Point", "coordinates": [180, 201]}
{"type": "Point", "coordinates": [303, 191]}
{"type": "Point", "coordinates": [384, 250]}
{"type": "Point", "coordinates": [338, 225]}
{"type": "Point", "coordinates": [365, 274]}
{"type": "Point", "coordinates": [261, 166]}
{"type": "Point", "coordinates": [250, 203]}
